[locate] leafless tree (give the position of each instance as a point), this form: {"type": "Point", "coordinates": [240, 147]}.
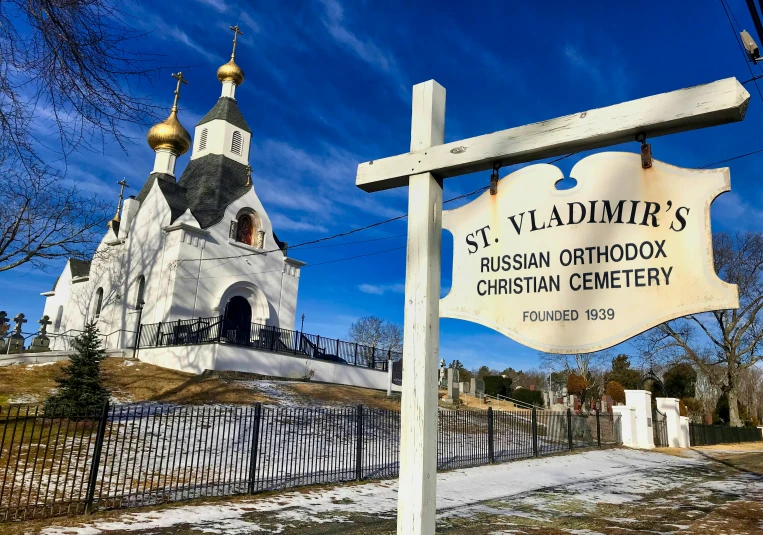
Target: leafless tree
{"type": "Point", "coordinates": [41, 220]}
{"type": "Point", "coordinates": [71, 69]}
{"type": "Point", "coordinates": [725, 343]}
{"type": "Point", "coordinates": [376, 332]}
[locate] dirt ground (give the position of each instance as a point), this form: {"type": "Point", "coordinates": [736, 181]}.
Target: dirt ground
{"type": "Point", "coordinates": [712, 491]}
{"type": "Point", "coordinates": [133, 381]}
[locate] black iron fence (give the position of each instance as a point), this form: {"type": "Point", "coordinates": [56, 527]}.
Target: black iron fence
{"type": "Point", "coordinates": [707, 435]}
{"type": "Point", "coordinates": [263, 337]}
{"type": "Point", "coordinates": [660, 428]}
{"type": "Point", "coordinates": [59, 462]}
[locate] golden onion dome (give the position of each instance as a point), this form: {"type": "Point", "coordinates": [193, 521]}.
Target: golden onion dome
{"type": "Point", "coordinates": [230, 72]}
{"type": "Point", "coordinates": [169, 135]}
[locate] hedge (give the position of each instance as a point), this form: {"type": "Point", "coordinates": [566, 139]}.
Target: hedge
{"type": "Point", "coordinates": [496, 385]}
{"type": "Point", "coordinates": [534, 397]}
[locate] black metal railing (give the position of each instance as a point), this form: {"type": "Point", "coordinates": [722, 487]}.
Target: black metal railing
{"type": "Point", "coordinates": [263, 337]}
{"type": "Point", "coordinates": [707, 435]}
{"type": "Point", "coordinates": [55, 462]}
{"type": "Point", "coordinates": [660, 428]}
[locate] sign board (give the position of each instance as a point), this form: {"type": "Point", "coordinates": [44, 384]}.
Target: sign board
{"type": "Point", "coordinates": [583, 269]}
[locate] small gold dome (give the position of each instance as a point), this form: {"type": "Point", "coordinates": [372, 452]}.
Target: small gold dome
{"type": "Point", "coordinates": [169, 134]}
{"type": "Point", "coordinates": [230, 72]}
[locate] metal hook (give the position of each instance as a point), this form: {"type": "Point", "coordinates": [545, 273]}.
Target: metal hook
{"type": "Point", "coordinates": [646, 151]}
{"type": "Point", "coordinates": [494, 178]}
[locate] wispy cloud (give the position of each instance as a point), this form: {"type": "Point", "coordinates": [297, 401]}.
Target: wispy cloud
{"type": "Point", "coordinates": [281, 221]}
{"type": "Point", "coordinates": [735, 213]}
{"type": "Point", "coordinates": [365, 49]}
{"type": "Point", "coordinates": [218, 5]}
{"type": "Point", "coordinates": [381, 289]}
{"type": "Point", "coordinates": [610, 79]}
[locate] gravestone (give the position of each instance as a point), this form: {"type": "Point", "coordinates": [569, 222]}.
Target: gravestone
{"type": "Point", "coordinates": [463, 387]}
{"type": "Point", "coordinates": [443, 375]}
{"type": "Point", "coordinates": [16, 340]}
{"type": "Point", "coordinates": [477, 387]}
{"type": "Point", "coordinates": [452, 387]}
{"type": "Point", "coordinates": [4, 327]}
{"type": "Point", "coordinates": [41, 342]}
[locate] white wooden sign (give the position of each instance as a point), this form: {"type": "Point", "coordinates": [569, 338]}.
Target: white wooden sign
{"type": "Point", "coordinates": [429, 161]}
{"type": "Point", "coordinates": [583, 269]}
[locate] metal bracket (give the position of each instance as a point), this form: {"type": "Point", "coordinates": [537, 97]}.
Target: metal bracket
{"type": "Point", "coordinates": [646, 152]}
{"type": "Point", "coordinates": [494, 178]}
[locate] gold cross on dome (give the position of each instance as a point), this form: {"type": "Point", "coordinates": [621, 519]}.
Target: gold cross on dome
{"type": "Point", "coordinates": [124, 185]}
{"type": "Point", "coordinates": [236, 33]}
{"type": "Point", "coordinates": [181, 80]}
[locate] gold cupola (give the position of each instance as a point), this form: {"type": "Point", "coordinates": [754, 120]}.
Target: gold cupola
{"type": "Point", "coordinates": [231, 72]}
{"type": "Point", "coordinates": [170, 134]}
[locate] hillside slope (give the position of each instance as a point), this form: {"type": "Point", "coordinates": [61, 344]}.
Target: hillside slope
{"type": "Point", "coordinates": [132, 381]}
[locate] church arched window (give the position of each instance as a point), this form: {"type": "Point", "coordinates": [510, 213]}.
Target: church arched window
{"type": "Point", "coordinates": [59, 318]}
{"type": "Point", "coordinates": [246, 229]}
{"type": "Point", "coordinates": [139, 297]}
{"type": "Point", "coordinates": [98, 303]}
{"type": "Point", "coordinates": [236, 143]}
{"type": "Point", "coordinates": [203, 140]}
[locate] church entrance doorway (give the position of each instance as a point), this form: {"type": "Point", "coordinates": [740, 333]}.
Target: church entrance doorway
{"type": "Point", "coordinates": [238, 320]}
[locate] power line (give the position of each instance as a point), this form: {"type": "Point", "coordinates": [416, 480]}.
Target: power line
{"type": "Point", "coordinates": [390, 220]}
{"type": "Point", "coordinates": [741, 47]}
{"type": "Point", "coordinates": [706, 166]}
{"type": "Point", "coordinates": [309, 265]}
{"type": "Point", "coordinates": [326, 238]}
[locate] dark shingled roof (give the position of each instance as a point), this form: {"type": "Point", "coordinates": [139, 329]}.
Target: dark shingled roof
{"type": "Point", "coordinates": [227, 110]}
{"type": "Point", "coordinates": [212, 183]}
{"type": "Point", "coordinates": [174, 193]}
{"type": "Point", "coordinates": [207, 186]}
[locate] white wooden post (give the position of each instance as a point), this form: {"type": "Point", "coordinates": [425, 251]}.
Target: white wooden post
{"type": "Point", "coordinates": [418, 441]}
{"type": "Point", "coordinates": [389, 378]}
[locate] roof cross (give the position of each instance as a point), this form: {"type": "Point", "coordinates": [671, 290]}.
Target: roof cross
{"type": "Point", "coordinates": [124, 185]}
{"type": "Point", "coordinates": [181, 80]}
{"type": "Point", "coordinates": [236, 33]}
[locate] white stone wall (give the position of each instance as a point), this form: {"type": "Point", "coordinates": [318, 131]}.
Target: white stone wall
{"type": "Point", "coordinates": [196, 359]}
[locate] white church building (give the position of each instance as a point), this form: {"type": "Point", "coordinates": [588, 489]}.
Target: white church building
{"type": "Point", "coordinates": [195, 258]}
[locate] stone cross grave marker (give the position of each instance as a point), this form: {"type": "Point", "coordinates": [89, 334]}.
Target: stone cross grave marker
{"type": "Point", "coordinates": [41, 342]}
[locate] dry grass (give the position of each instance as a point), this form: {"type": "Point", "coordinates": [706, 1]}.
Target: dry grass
{"type": "Point", "coordinates": [129, 380]}
{"type": "Point", "coordinates": [345, 395]}
{"type": "Point", "coordinates": [676, 452]}
{"type": "Point", "coordinates": [756, 447]}
{"type": "Point", "coordinates": [471, 402]}
{"type": "Point", "coordinates": [133, 381]}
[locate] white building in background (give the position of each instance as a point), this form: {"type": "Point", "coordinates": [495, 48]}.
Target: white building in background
{"type": "Point", "coordinates": [196, 246]}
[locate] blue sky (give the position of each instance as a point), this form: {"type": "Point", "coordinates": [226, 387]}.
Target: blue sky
{"type": "Point", "coordinates": [328, 85]}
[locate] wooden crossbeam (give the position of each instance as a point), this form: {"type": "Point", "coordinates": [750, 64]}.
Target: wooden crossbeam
{"type": "Point", "coordinates": [721, 102]}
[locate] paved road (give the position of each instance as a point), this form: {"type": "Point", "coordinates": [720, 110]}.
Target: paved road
{"type": "Point", "coordinates": [619, 492]}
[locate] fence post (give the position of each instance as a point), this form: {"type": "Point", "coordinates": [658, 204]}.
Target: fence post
{"type": "Point", "coordinates": [598, 429]}
{"type": "Point", "coordinates": [219, 328]}
{"type": "Point", "coordinates": [535, 431]}
{"type": "Point", "coordinates": [255, 447]}
{"type": "Point", "coordinates": [569, 427]}
{"type": "Point", "coordinates": [272, 337]}
{"type": "Point", "coordinates": [359, 445]}
{"type": "Point", "coordinates": [490, 436]}
{"type": "Point", "coordinates": [92, 480]}
{"type": "Point", "coordinates": [158, 333]}
{"type": "Point", "coordinates": [317, 345]}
